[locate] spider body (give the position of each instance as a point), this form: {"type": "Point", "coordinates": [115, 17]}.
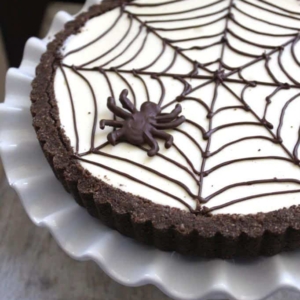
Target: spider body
{"type": "Point", "coordinates": [140, 127]}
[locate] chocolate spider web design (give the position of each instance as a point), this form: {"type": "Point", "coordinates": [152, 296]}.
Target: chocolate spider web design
{"type": "Point", "coordinates": [218, 77]}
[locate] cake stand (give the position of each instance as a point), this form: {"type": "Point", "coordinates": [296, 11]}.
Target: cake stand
{"type": "Point", "coordinates": [85, 238]}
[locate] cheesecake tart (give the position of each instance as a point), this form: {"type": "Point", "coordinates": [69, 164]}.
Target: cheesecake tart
{"type": "Point", "coordinates": [177, 122]}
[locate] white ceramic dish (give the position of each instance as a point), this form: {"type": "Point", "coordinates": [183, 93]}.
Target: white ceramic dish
{"type": "Point", "coordinates": [84, 238]}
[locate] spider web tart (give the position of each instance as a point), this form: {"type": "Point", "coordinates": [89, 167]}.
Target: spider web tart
{"type": "Point", "coordinates": [167, 228]}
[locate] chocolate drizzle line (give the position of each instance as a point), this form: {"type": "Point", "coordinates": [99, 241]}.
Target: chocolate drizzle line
{"type": "Point", "coordinates": [273, 77]}
{"type": "Point", "coordinates": [163, 90]}
{"type": "Point", "coordinates": [241, 140]}
{"type": "Point", "coordinates": [190, 138]}
{"type": "Point", "coordinates": [269, 98]}
{"type": "Point", "coordinates": [156, 59]}
{"type": "Point", "coordinates": [135, 74]}
{"type": "Point", "coordinates": [264, 21]}
{"type": "Point", "coordinates": [113, 47]}
{"type": "Point", "coordinates": [283, 114]}
{"type": "Point", "coordinates": [247, 183]}
{"type": "Point", "coordinates": [73, 107]}
{"type": "Point", "coordinates": [133, 179]}
{"type": "Point", "coordinates": [95, 105]}
{"type": "Point", "coordinates": [153, 4]}
{"type": "Point", "coordinates": [112, 69]}
{"type": "Point", "coordinates": [283, 68]}
{"type": "Point", "coordinates": [297, 61]}
{"type": "Point", "coordinates": [109, 86]}
{"type": "Point", "coordinates": [290, 16]}
{"type": "Point", "coordinates": [229, 162]}
{"type": "Point", "coordinates": [246, 41]}
{"type": "Point", "coordinates": [148, 169]}
{"type": "Point", "coordinates": [183, 11]}
{"type": "Point", "coordinates": [196, 38]}
{"type": "Point", "coordinates": [251, 197]}
{"type": "Point", "coordinates": [201, 102]}
{"type": "Point", "coordinates": [218, 77]}
{"type": "Point", "coordinates": [98, 38]}
{"type": "Point", "coordinates": [124, 50]}
{"type": "Point", "coordinates": [136, 54]}
{"type": "Point", "coordinates": [260, 32]}
{"type": "Point", "coordinates": [189, 27]}
{"type": "Point", "coordinates": [174, 162]}
{"type": "Point", "coordinates": [172, 62]}
{"type": "Point", "coordinates": [128, 85]}
{"type": "Point", "coordinates": [108, 82]}
{"type": "Point", "coordinates": [187, 19]}
{"type": "Point", "coordinates": [295, 151]}
{"type": "Point", "coordinates": [197, 126]}
{"type": "Point", "coordinates": [280, 8]}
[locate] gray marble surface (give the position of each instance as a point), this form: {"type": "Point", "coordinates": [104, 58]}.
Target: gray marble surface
{"type": "Point", "coordinates": [33, 267]}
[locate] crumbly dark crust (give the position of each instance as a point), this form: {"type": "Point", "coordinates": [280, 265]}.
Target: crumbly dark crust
{"type": "Point", "coordinates": [169, 229]}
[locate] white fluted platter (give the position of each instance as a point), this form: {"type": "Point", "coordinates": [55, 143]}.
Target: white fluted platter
{"type": "Point", "coordinates": [85, 238]}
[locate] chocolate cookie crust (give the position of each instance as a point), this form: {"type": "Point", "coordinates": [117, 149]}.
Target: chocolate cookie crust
{"type": "Point", "coordinates": [166, 228]}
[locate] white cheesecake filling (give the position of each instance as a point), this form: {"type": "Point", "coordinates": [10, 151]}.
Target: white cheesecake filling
{"type": "Point", "coordinates": [254, 27]}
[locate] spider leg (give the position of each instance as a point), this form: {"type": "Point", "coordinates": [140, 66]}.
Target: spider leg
{"type": "Point", "coordinates": [111, 104]}
{"type": "Point", "coordinates": [126, 103]}
{"type": "Point", "coordinates": [163, 135]}
{"type": "Point", "coordinates": [152, 143]}
{"type": "Point", "coordinates": [170, 116]}
{"type": "Point", "coordinates": [111, 123]}
{"type": "Point", "coordinates": [170, 125]}
{"type": "Point", "coordinates": [115, 136]}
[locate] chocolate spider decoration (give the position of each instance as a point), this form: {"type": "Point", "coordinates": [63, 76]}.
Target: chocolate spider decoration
{"type": "Point", "coordinates": [139, 127]}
